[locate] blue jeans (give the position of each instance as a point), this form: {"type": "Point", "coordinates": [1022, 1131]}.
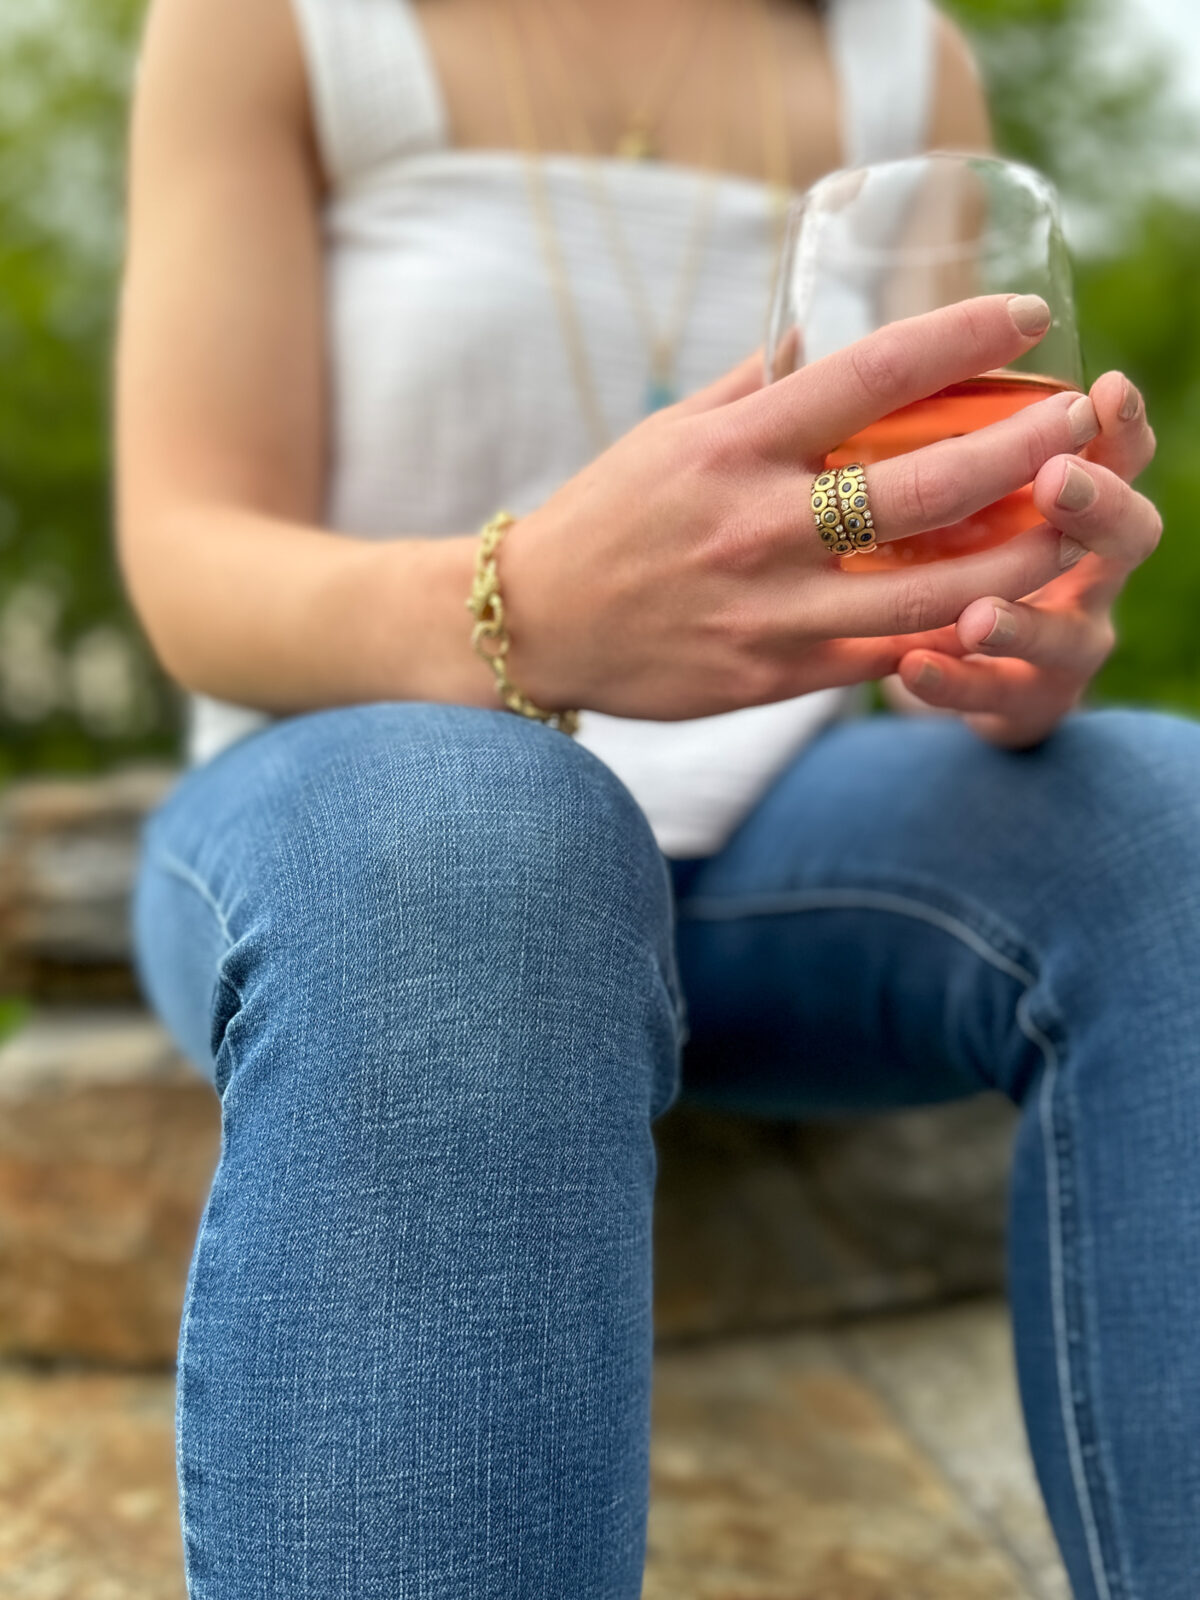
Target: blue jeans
{"type": "Point", "coordinates": [436, 967]}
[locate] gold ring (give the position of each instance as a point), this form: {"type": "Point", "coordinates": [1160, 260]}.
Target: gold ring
{"type": "Point", "coordinates": [841, 509]}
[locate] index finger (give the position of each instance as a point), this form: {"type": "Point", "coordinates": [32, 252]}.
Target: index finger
{"type": "Point", "coordinates": [809, 412]}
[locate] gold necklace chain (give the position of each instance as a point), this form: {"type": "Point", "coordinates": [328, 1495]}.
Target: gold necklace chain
{"type": "Point", "coordinates": [777, 154]}
{"type": "Point", "coordinates": [662, 345]}
{"type": "Point", "coordinates": [662, 353]}
{"type": "Point", "coordinates": [521, 114]}
{"type": "Point", "coordinates": [637, 142]}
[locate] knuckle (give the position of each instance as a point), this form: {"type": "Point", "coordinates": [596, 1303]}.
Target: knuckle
{"type": "Point", "coordinates": [1128, 529]}
{"type": "Point", "coordinates": [917, 605]}
{"type": "Point", "coordinates": [763, 682]}
{"type": "Point", "coordinates": [749, 675]}
{"type": "Point", "coordinates": [1104, 642]}
{"type": "Point", "coordinates": [741, 645]}
{"type": "Point", "coordinates": [878, 365]}
{"type": "Point", "coordinates": [734, 637]}
{"type": "Point", "coordinates": [716, 446]}
{"type": "Point", "coordinates": [1152, 532]}
{"type": "Point", "coordinates": [1041, 560]}
{"type": "Point", "coordinates": [1045, 437]}
{"type": "Point", "coordinates": [737, 549]}
{"type": "Point", "coordinates": [926, 493]}
{"type": "Point", "coordinates": [975, 328]}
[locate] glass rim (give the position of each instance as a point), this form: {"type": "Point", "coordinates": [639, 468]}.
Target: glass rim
{"type": "Point", "coordinates": [1035, 183]}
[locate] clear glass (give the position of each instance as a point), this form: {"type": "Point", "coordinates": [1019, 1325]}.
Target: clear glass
{"type": "Point", "coordinates": [870, 245]}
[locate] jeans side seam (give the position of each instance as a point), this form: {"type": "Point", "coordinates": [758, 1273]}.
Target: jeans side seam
{"type": "Point", "coordinates": [188, 1537]}
{"type": "Point", "coordinates": [767, 905]}
{"type": "Point", "coordinates": [179, 869]}
{"type": "Point", "coordinates": [173, 867]}
{"type": "Point", "coordinates": [802, 900]}
{"type": "Point", "coordinates": [1103, 1574]}
{"type": "Point", "coordinates": [187, 1532]}
{"type": "Point", "coordinates": [171, 864]}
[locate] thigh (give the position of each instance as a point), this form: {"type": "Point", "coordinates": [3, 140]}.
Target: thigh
{"type": "Point", "coordinates": [909, 913]}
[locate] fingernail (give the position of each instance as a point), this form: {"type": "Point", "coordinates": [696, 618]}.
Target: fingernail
{"type": "Point", "coordinates": [929, 676]}
{"type": "Point", "coordinates": [1003, 627]}
{"type": "Point", "coordinates": [1030, 314]}
{"type": "Point", "coordinates": [1082, 421]}
{"type": "Point", "coordinates": [1130, 404]}
{"type": "Point", "coordinates": [1070, 551]}
{"type": "Point", "coordinates": [1078, 489]}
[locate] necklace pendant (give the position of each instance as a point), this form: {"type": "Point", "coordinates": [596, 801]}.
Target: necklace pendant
{"type": "Point", "coordinates": [636, 144]}
{"type": "Point", "coordinates": [660, 392]}
{"type": "Point", "coordinates": [661, 389]}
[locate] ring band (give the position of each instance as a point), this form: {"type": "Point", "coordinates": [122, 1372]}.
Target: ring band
{"type": "Point", "coordinates": [841, 509]}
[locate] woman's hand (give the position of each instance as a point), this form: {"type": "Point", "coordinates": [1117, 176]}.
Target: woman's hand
{"type": "Point", "coordinates": [1016, 668]}
{"type": "Point", "coordinates": [680, 573]}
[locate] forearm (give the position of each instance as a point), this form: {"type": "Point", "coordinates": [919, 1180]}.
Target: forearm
{"type": "Point", "coordinates": [287, 618]}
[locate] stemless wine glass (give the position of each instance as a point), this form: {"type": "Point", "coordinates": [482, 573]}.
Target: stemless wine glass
{"type": "Point", "coordinates": [867, 246]}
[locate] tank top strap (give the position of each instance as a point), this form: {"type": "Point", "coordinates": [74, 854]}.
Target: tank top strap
{"type": "Point", "coordinates": [374, 90]}
{"type": "Point", "coordinates": [884, 54]}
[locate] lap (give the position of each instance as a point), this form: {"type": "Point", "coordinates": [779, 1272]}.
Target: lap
{"type": "Point", "coordinates": [902, 916]}
{"type": "Point", "coordinates": [908, 910]}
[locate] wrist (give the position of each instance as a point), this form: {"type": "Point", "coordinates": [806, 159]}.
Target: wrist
{"type": "Point", "coordinates": [540, 661]}
{"type": "Point", "coordinates": [420, 640]}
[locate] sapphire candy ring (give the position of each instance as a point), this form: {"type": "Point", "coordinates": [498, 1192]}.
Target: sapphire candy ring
{"type": "Point", "coordinates": [841, 509]}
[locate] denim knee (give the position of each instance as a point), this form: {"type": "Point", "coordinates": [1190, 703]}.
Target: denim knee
{"type": "Point", "coordinates": [419, 802]}
{"type": "Point", "coordinates": [1113, 907]}
{"type": "Point", "coordinates": [440, 868]}
{"type": "Point", "coordinates": [1136, 776]}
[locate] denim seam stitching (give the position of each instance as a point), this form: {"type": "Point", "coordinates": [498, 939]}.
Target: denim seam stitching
{"type": "Point", "coordinates": [1101, 1575]}
{"type": "Point", "coordinates": [188, 1536]}
{"type": "Point", "coordinates": [765, 905]}
{"type": "Point", "coordinates": [179, 869]}
{"type": "Point", "coordinates": [715, 910]}
{"type": "Point", "coordinates": [175, 868]}
{"type": "Point", "coordinates": [188, 1539]}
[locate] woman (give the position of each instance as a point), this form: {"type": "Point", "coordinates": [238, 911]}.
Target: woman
{"type": "Point", "coordinates": [438, 957]}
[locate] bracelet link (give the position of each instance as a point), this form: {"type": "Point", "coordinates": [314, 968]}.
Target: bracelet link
{"type": "Point", "coordinates": [490, 638]}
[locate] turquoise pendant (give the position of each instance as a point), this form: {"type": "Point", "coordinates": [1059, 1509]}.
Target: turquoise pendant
{"type": "Point", "coordinates": [659, 393]}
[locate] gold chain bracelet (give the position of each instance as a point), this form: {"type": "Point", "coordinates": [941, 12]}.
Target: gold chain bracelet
{"type": "Point", "coordinates": [489, 636]}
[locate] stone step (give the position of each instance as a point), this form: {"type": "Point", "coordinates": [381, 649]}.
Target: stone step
{"type": "Point", "coordinates": [774, 1224]}
{"type": "Point", "coordinates": [68, 849]}
{"type": "Point", "coordinates": [820, 1466]}
{"type": "Point", "coordinates": [108, 1140]}
{"type": "Point", "coordinates": [107, 1145]}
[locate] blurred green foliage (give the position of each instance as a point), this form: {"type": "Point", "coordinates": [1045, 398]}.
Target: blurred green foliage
{"type": "Point", "coordinates": [13, 1013]}
{"type": "Point", "coordinates": [1141, 311]}
{"type": "Point", "coordinates": [1101, 121]}
{"type": "Point", "coordinates": [77, 689]}
{"type": "Point", "coordinates": [76, 686]}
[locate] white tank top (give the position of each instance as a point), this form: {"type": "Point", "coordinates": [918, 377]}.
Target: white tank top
{"type": "Point", "coordinates": [451, 393]}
